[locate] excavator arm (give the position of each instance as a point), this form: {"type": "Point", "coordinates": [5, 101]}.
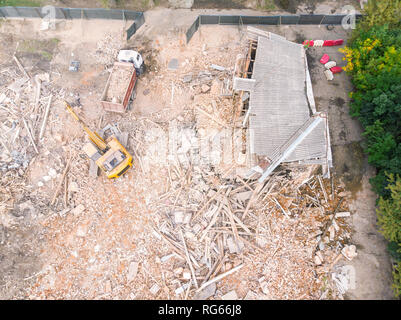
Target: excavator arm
{"type": "Point", "coordinates": [93, 136]}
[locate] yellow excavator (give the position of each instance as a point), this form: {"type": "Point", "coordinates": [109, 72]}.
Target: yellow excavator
{"type": "Point", "coordinates": [109, 155]}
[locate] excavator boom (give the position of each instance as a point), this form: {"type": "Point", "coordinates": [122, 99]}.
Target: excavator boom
{"type": "Point", "coordinates": [93, 136]}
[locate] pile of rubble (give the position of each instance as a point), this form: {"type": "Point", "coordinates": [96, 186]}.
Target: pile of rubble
{"type": "Point", "coordinates": [212, 223]}
{"type": "Point", "coordinates": [107, 49]}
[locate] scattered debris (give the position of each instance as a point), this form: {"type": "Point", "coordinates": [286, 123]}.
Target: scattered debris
{"type": "Point", "coordinates": [349, 252]}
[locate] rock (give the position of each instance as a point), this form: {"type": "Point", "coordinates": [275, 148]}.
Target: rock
{"type": "Point", "coordinates": [186, 274]}
{"type": "Point", "coordinates": [47, 178]}
{"type": "Point", "coordinates": [178, 271]}
{"type": "Point", "coordinates": [40, 184]}
{"type": "Point", "coordinates": [205, 88]}
{"type": "Point", "coordinates": [166, 258]}
{"type": "Point", "coordinates": [189, 235]}
{"type": "Point", "coordinates": [342, 214]}
{"type": "Point", "coordinates": [81, 230]}
{"type": "Point", "coordinates": [232, 295]}
{"type": "Point", "coordinates": [317, 260]}
{"type": "Point", "coordinates": [187, 218]}
{"type": "Point", "coordinates": [187, 78]}
{"type": "Point", "coordinates": [73, 187]}
{"type": "Point", "coordinates": [26, 208]}
{"type": "Point", "coordinates": [231, 245]}
{"type": "Point", "coordinates": [178, 217]}
{"type": "Point", "coordinates": [243, 196]}
{"type": "Point", "coordinates": [78, 209]}
{"type": "Point", "coordinates": [154, 289]}
{"type": "Point", "coordinates": [132, 270]}
{"type": "Point", "coordinates": [206, 293]}
{"type": "Point", "coordinates": [349, 252]}
{"type": "Point", "coordinates": [52, 173]}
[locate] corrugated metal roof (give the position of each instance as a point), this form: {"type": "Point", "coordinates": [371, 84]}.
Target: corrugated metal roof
{"type": "Point", "coordinates": [279, 104]}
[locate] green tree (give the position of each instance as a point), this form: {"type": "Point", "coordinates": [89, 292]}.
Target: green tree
{"type": "Point", "coordinates": [389, 211]}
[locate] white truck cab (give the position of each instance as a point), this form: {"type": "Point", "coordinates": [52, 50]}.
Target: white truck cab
{"type": "Point", "coordinates": [133, 57]}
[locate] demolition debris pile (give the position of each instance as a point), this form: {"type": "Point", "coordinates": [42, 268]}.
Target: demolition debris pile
{"type": "Point", "coordinates": [172, 229]}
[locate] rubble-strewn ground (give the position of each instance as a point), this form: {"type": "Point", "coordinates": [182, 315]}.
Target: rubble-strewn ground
{"type": "Point", "coordinates": [170, 224]}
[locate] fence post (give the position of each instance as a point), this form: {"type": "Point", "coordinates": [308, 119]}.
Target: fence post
{"type": "Point", "coordinates": [324, 16]}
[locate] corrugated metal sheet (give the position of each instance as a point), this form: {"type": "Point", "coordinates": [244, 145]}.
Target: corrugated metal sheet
{"type": "Point", "coordinates": [278, 103]}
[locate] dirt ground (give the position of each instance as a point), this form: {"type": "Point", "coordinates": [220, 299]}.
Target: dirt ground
{"type": "Point", "coordinates": [50, 252]}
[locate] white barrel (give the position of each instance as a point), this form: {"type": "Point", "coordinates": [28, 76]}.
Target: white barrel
{"type": "Point", "coordinates": [330, 64]}
{"type": "Point", "coordinates": [329, 75]}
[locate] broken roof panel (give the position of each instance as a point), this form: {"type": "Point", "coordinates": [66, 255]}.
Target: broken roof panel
{"type": "Point", "coordinates": [278, 104]}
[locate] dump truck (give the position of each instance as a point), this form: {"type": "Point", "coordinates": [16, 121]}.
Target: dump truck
{"type": "Point", "coordinates": [118, 94]}
{"type": "Point", "coordinates": [109, 155]}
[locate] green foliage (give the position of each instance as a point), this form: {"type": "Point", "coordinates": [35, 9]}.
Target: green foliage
{"type": "Point", "coordinates": [395, 250]}
{"type": "Point", "coordinates": [381, 12]}
{"type": "Point", "coordinates": [374, 63]}
{"type": "Point", "coordinates": [397, 280]}
{"type": "Point", "coordinates": [389, 211]}
{"type": "Point", "coordinates": [20, 3]}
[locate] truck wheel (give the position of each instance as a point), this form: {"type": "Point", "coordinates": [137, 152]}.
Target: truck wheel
{"type": "Point", "coordinates": [142, 69]}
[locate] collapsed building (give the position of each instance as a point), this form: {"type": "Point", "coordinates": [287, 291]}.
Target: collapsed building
{"type": "Point", "coordinates": [278, 106]}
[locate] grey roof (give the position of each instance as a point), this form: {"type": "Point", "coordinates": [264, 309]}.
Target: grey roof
{"type": "Point", "coordinates": [278, 102]}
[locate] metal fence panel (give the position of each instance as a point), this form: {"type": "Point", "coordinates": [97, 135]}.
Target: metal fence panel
{"type": "Point", "coordinates": [73, 13]}
{"type": "Point", "coordinates": [10, 12]}
{"type": "Point", "coordinates": [289, 19]}
{"type": "Point", "coordinates": [206, 19]}
{"type": "Point", "coordinates": [190, 32]}
{"type": "Point", "coordinates": [28, 12]}
{"type": "Point", "coordinates": [333, 19]}
{"type": "Point", "coordinates": [133, 15]}
{"type": "Point", "coordinates": [310, 19]}
{"type": "Point", "coordinates": [131, 31]}
{"type": "Point", "coordinates": [113, 14]}
{"type": "Point", "coordinates": [250, 19]}
{"type": "Point", "coordinates": [229, 20]}
{"type": "Point", "coordinates": [270, 20]}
